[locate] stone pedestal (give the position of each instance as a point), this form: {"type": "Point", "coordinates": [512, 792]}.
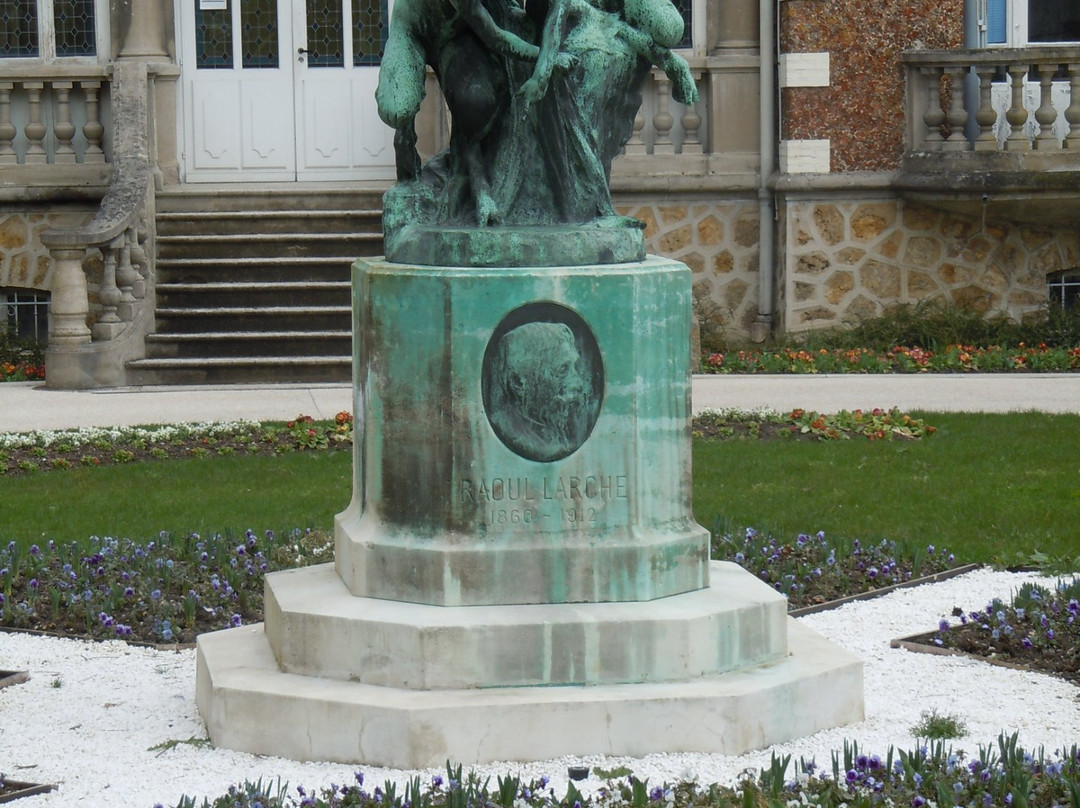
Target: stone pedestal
{"type": "Point", "coordinates": [519, 574]}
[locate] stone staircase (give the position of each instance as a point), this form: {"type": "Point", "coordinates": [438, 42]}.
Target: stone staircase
{"type": "Point", "coordinates": [253, 283]}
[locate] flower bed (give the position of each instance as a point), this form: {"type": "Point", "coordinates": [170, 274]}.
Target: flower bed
{"type": "Point", "coordinates": [933, 775]}
{"type": "Point", "coordinates": [17, 789]}
{"type": "Point", "coordinates": [26, 453]}
{"type": "Point", "coordinates": [1038, 630]}
{"type": "Point", "coordinates": [877, 424]}
{"type": "Point", "coordinates": [166, 590]}
{"type": "Point", "coordinates": [901, 359]}
{"type": "Point", "coordinates": [813, 571]}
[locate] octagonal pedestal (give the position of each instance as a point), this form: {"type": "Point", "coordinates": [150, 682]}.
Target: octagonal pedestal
{"type": "Point", "coordinates": [519, 574]}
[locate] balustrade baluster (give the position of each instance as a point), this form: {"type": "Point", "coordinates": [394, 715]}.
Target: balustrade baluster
{"type": "Point", "coordinates": [35, 130]}
{"type": "Point", "coordinates": [126, 277]}
{"type": "Point", "coordinates": [691, 123]}
{"type": "Point", "coordinates": [662, 119]}
{"type": "Point", "coordinates": [1046, 115]}
{"type": "Point", "coordinates": [986, 116]}
{"type": "Point", "coordinates": [68, 307]}
{"type": "Point", "coordinates": [63, 129]}
{"type": "Point", "coordinates": [636, 143]}
{"type": "Point", "coordinates": [957, 116]}
{"type": "Point", "coordinates": [108, 324]}
{"type": "Point", "coordinates": [1017, 114]}
{"type": "Point", "coordinates": [93, 129]}
{"type": "Point", "coordinates": [1072, 114]}
{"type": "Point", "coordinates": [137, 257]}
{"type": "Point", "coordinates": [7, 129]}
{"type": "Point", "coordinates": [934, 116]}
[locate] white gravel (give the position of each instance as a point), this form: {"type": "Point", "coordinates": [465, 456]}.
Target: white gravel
{"type": "Point", "coordinates": [90, 712]}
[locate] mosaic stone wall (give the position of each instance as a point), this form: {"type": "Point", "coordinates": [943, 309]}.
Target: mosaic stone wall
{"type": "Point", "coordinates": [852, 259]}
{"type": "Point", "coordinates": [861, 112]}
{"type": "Point", "coordinates": [24, 262]}
{"type": "Point", "coordinates": [719, 242]}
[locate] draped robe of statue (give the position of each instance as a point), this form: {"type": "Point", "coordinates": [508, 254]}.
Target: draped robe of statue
{"type": "Point", "coordinates": [541, 101]}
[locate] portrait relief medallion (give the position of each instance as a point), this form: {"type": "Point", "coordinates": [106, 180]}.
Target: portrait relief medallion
{"type": "Point", "coordinates": [542, 381]}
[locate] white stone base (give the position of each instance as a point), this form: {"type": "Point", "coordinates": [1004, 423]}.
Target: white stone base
{"type": "Point", "coordinates": [316, 627]}
{"type": "Point", "coordinates": [250, 704]}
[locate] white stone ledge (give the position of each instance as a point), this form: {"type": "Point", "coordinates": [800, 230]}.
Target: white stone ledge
{"type": "Point", "coordinates": [804, 69]}
{"type": "Point", "coordinates": [804, 156]}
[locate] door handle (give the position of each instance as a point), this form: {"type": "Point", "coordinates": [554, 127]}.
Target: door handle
{"type": "Point", "coordinates": [301, 52]}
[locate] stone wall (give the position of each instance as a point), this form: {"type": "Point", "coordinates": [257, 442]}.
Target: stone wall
{"type": "Point", "coordinates": [853, 259]}
{"type": "Point", "coordinates": [719, 242]}
{"type": "Point", "coordinates": [861, 111]}
{"type": "Point", "coordinates": [24, 261]}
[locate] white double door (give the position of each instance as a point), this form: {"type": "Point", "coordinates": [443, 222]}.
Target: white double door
{"type": "Point", "coordinates": [282, 90]}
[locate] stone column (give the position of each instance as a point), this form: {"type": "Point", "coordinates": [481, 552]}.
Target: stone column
{"type": "Point", "coordinates": [731, 25]}
{"type": "Point", "coordinates": [146, 31]}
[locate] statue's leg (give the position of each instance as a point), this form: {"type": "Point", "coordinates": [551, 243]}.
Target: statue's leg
{"type": "Point", "coordinates": [406, 157]}
{"type": "Point", "coordinates": [475, 89]}
{"type": "Point", "coordinates": [398, 96]}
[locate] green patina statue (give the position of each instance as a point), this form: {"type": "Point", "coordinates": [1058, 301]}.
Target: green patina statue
{"type": "Point", "coordinates": [541, 99]}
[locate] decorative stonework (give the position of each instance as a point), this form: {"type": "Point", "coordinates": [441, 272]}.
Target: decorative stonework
{"type": "Point", "coordinates": [24, 261]}
{"type": "Point", "coordinates": [719, 242]}
{"type": "Point", "coordinates": [853, 259]}
{"type": "Point", "coordinates": [861, 112]}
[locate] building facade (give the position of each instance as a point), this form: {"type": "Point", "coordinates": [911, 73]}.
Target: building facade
{"type": "Point", "coordinates": [843, 157]}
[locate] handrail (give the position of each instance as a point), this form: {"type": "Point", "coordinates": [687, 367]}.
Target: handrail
{"type": "Point", "coordinates": [1007, 100]}
{"type": "Point", "coordinates": [81, 354]}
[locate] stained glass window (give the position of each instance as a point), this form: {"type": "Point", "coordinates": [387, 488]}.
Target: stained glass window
{"type": "Point", "coordinates": [74, 23]}
{"type": "Point", "coordinates": [686, 9]}
{"type": "Point", "coordinates": [259, 33]}
{"type": "Point", "coordinates": [370, 19]}
{"type": "Point", "coordinates": [325, 33]}
{"type": "Point", "coordinates": [213, 38]}
{"type": "Point", "coordinates": [18, 28]}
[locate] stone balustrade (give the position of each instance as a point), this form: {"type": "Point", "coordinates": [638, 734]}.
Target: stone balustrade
{"type": "Point", "coordinates": [1001, 100]}
{"type": "Point", "coordinates": [102, 280]}
{"type": "Point", "coordinates": [674, 145]}
{"type": "Point", "coordinates": [711, 145]}
{"type": "Point", "coordinates": [53, 115]}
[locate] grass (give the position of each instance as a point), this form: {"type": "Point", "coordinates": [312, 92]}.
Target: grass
{"type": "Point", "coordinates": [299, 489]}
{"type": "Point", "coordinates": [993, 487]}
{"type": "Point", "coordinates": [935, 726]}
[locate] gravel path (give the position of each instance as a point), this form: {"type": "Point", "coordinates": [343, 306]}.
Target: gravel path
{"type": "Point", "coordinates": [90, 712]}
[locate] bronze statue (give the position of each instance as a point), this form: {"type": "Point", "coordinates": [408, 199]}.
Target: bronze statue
{"type": "Point", "coordinates": [541, 99]}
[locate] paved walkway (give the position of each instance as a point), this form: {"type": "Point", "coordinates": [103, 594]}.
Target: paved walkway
{"type": "Point", "coordinates": [30, 405]}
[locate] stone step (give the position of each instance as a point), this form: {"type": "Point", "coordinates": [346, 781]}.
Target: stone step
{"type": "Point", "coordinates": [253, 281]}
{"type": "Point", "coordinates": [253, 269]}
{"type": "Point", "coordinates": [346, 246]}
{"type": "Point", "coordinates": [246, 222]}
{"type": "Point", "coordinates": [215, 344]}
{"type": "Point", "coordinates": [236, 369]}
{"type": "Point", "coordinates": [254, 318]}
{"type": "Point", "coordinates": [244, 293]}
{"type": "Point", "coordinates": [210, 198]}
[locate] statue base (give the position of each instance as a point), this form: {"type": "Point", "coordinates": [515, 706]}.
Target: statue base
{"type": "Point", "coordinates": [416, 721]}
{"type": "Point", "coordinates": [616, 240]}
{"type": "Point", "coordinates": [519, 575]}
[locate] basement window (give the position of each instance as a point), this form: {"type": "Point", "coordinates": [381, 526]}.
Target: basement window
{"type": "Point", "coordinates": [1063, 289]}
{"type": "Point", "coordinates": [25, 313]}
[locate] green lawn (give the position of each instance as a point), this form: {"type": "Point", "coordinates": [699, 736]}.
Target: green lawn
{"type": "Point", "coordinates": [301, 489]}
{"type": "Point", "coordinates": [987, 487]}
